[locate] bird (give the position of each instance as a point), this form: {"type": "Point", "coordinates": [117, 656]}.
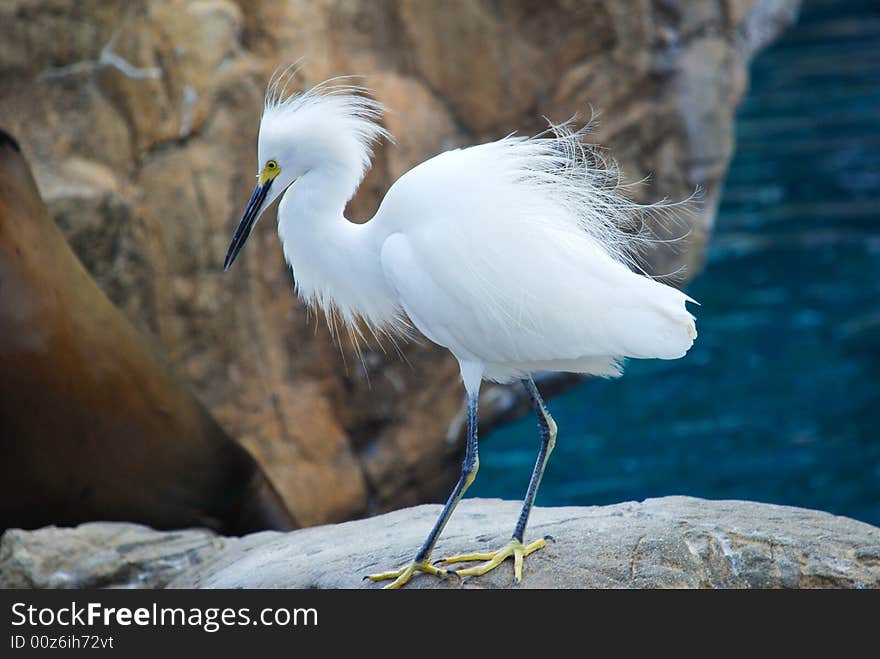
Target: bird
{"type": "Point", "coordinates": [519, 256]}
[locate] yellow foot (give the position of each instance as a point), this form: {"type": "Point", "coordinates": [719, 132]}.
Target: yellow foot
{"type": "Point", "coordinates": [493, 559]}
{"type": "Point", "coordinates": [404, 574]}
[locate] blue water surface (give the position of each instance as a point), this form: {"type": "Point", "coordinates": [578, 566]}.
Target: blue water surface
{"type": "Point", "coordinates": [779, 400]}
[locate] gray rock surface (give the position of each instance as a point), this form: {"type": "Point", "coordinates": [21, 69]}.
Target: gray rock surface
{"type": "Point", "coordinates": [673, 542]}
{"type": "Point", "coordinates": [101, 555]}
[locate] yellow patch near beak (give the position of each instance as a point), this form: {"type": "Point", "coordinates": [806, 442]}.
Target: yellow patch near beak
{"type": "Point", "coordinates": [270, 171]}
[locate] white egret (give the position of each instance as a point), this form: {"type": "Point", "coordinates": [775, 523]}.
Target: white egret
{"type": "Point", "coordinates": [512, 254]}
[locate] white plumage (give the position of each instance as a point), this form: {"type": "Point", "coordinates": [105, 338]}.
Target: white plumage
{"type": "Point", "coordinates": [516, 255]}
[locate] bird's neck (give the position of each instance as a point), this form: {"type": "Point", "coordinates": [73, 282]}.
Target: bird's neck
{"type": "Point", "coordinates": [336, 263]}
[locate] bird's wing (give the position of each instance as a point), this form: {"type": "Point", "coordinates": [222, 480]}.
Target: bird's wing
{"type": "Point", "coordinates": [526, 296]}
{"type": "Point", "coordinates": [486, 265]}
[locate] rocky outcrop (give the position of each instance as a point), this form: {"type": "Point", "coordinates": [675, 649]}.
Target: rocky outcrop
{"type": "Point", "coordinates": [92, 424]}
{"type": "Point", "coordinates": [142, 117]}
{"type": "Point", "coordinates": [673, 542]}
{"type": "Point", "coordinates": [102, 555]}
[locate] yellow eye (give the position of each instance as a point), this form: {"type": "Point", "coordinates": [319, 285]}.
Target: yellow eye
{"type": "Point", "coordinates": [271, 165]}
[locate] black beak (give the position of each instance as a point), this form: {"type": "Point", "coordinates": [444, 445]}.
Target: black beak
{"type": "Point", "coordinates": [247, 223]}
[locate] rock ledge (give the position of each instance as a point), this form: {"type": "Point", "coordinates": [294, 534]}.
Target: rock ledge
{"type": "Point", "coordinates": [672, 542]}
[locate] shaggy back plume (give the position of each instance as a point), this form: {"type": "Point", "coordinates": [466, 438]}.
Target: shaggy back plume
{"type": "Point", "coordinates": [585, 186]}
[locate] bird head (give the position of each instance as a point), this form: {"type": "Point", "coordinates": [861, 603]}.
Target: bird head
{"type": "Point", "coordinates": [328, 128]}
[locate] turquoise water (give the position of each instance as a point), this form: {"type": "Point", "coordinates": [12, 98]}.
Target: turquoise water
{"type": "Point", "coordinates": [779, 400]}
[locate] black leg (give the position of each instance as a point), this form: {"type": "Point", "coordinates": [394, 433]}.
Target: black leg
{"type": "Point", "coordinates": [469, 468]}
{"type": "Point", "coordinates": [468, 472]}
{"type": "Point", "coordinates": [515, 548]}
{"type": "Point", "coordinates": [548, 441]}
